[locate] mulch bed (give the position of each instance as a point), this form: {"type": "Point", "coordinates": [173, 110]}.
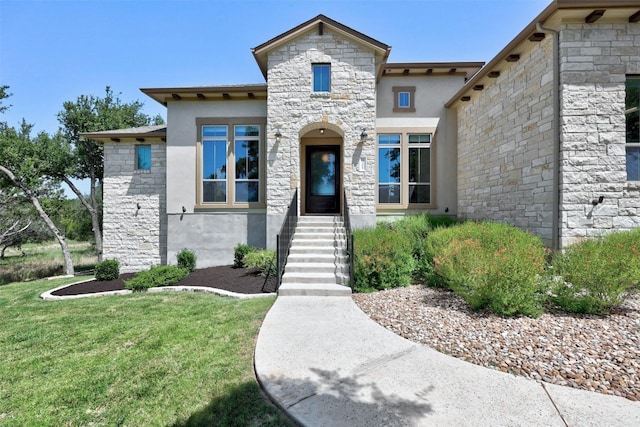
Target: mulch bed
{"type": "Point", "coordinates": [229, 278]}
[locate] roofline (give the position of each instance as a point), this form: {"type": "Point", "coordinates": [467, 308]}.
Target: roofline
{"type": "Point", "coordinates": [433, 64]}
{"type": "Point", "coordinates": [155, 93]}
{"type": "Point", "coordinates": [524, 34]}
{"type": "Point", "coordinates": [160, 132]}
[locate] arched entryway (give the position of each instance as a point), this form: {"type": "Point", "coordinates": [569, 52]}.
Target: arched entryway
{"type": "Point", "coordinates": [322, 166]}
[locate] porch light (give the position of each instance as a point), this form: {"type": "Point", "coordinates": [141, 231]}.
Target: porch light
{"type": "Point", "coordinates": [363, 136]}
{"type": "Point", "coordinates": [278, 136]}
{"type": "Point", "coordinates": [321, 131]}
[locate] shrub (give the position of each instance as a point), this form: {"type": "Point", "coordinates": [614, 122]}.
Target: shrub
{"type": "Point", "coordinates": [187, 260]}
{"type": "Point", "coordinates": [491, 265]}
{"type": "Point", "coordinates": [382, 259]}
{"type": "Point", "coordinates": [595, 275]}
{"type": "Point", "coordinates": [109, 269]}
{"type": "Point", "coordinates": [159, 275]}
{"type": "Point", "coordinates": [263, 260]}
{"type": "Point", "coordinates": [239, 252]}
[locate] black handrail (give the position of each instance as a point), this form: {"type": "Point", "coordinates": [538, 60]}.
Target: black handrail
{"type": "Point", "coordinates": [349, 232]}
{"type": "Point", "coordinates": [285, 236]}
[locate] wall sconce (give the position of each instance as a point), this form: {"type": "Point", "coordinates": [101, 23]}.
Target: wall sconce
{"type": "Point", "coordinates": [321, 131]}
{"type": "Point", "coordinates": [596, 202]}
{"type": "Point", "coordinates": [184, 209]}
{"type": "Point", "coordinates": [363, 136]}
{"type": "Point", "coordinates": [278, 136]}
{"type": "Point", "coordinates": [138, 206]}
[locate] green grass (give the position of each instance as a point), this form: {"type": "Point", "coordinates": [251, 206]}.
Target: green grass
{"type": "Point", "coordinates": [167, 359]}
{"type": "Point", "coordinates": [43, 260]}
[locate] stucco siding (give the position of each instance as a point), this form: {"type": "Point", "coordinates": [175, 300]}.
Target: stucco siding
{"type": "Point", "coordinates": [134, 224]}
{"type": "Point", "coordinates": [595, 60]}
{"type": "Point", "coordinates": [505, 146]}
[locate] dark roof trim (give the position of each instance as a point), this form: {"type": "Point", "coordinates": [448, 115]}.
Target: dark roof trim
{"type": "Point", "coordinates": [140, 133]}
{"type": "Point", "coordinates": [250, 91]}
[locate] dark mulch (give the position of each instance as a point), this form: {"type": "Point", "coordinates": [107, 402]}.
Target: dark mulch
{"type": "Point", "coordinates": [232, 279]}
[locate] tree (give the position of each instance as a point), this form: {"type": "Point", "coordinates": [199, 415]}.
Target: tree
{"type": "Point", "coordinates": [20, 169]}
{"type": "Point", "coordinates": [81, 158]}
{"type": "Point", "coordinates": [14, 221]}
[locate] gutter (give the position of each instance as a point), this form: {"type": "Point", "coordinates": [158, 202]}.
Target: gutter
{"type": "Point", "coordinates": [555, 231]}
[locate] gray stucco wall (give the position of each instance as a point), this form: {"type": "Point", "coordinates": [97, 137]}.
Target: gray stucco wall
{"type": "Point", "coordinates": [137, 237]}
{"type": "Point", "coordinates": [505, 146]}
{"type": "Point", "coordinates": [594, 62]}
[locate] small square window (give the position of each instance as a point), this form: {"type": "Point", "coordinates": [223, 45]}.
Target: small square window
{"type": "Point", "coordinates": [143, 157]}
{"type": "Point", "coordinates": [404, 100]}
{"type": "Point", "coordinates": [321, 77]}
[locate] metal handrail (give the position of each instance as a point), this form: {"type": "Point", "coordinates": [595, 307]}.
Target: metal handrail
{"type": "Point", "coordinates": [285, 237]}
{"type": "Point", "coordinates": [349, 232]}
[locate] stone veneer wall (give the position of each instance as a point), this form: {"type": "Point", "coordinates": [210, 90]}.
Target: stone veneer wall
{"type": "Point", "coordinates": [293, 109]}
{"type": "Point", "coordinates": [136, 237]}
{"type": "Point", "coordinates": [505, 146]}
{"type": "Point", "coordinates": [594, 62]}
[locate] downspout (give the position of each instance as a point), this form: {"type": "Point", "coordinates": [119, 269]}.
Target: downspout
{"type": "Point", "coordinates": [555, 232]}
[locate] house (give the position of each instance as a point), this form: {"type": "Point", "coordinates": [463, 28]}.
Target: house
{"type": "Point", "coordinates": [545, 136]}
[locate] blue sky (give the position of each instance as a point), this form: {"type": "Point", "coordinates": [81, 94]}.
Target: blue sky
{"type": "Point", "coordinates": [52, 51]}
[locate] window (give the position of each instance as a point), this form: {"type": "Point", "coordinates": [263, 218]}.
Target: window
{"type": "Point", "coordinates": [247, 151]}
{"type": "Point", "coordinates": [214, 164]}
{"type": "Point", "coordinates": [404, 99]}
{"type": "Point", "coordinates": [321, 77]}
{"type": "Point", "coordinates": [420, 168]}
{"type": "Point", "coordinates": [143, 157]}
{"type": "Point", "coordinates": [388, 169]}
{"type": "Point", "coordinates": [404, 169]}
{"type": "Point", "coordinates": [632, 116]}
{"type": "Point", "coordinates": [230, 169]}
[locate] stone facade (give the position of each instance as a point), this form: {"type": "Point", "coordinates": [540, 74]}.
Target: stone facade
{"type": "Point", "coordinates": [134, 208]}
{"type": "Point", "coordinates": [505, 146]}
{"type": "Point", "coordinates": [595, 60]}
{"type": "Point", "coordinates": [294, 110]}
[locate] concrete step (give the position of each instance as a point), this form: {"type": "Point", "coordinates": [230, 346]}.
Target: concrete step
{"type": "Point", "coordinates": [328, 256]}
{"type": "Point", "coordinates": [315, 267]}
{"type": "Point", "coordinates": [307, 278]}
{"type": "Point", "coordinates": [314, 289]}
{"type": "Point", "coordinates": [308, 229]}
{"type": "Point", "coordinates": [319, 242]}
{"type": "Point", "coordinates": [309, 251]}
{"type": "Point", "coordinates": [319, 235]}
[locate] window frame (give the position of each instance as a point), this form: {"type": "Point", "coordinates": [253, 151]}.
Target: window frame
{"type": "Point", "coordinates": [389, 146]}
{"type": "Point", "coordinates": [231, 123]}
{"type": "Point", "coordinates": [137, 157]}
{"type": "Point", "coordinates": [418, 146]}
{"type": "Point", "coordinates": [404, 171]}
{"type": "Point", "coordinates": [397, 90]}
{"type": "Point", "coordinates": [634, 145]}
{"type": "Point", "coordinates": [320, 66]}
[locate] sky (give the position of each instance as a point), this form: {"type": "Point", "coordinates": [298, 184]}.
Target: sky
{"type": "Point", "coordinates": [52, 51]}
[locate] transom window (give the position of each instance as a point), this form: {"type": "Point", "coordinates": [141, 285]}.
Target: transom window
{"type": "Point", "coordinates": [321, 77]}
{"type": "Point", "coordinates": [143, 157]}
{"type": "Point", "coordinates": [632, 115]}
{"type": "Point", "coordinates": [230, 164]}
{"type": "Point", "coordinates": [404, 169]}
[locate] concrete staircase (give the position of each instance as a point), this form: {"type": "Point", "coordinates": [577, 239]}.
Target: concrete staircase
{"type": "Point", "coordinates": [318, 264]}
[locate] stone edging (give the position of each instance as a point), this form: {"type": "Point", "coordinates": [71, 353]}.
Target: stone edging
{"type": "Point", "coordinates": [221, 292]}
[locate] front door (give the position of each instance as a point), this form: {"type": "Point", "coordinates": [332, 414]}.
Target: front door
{"type": "Point", "coordinates": [322, 189]}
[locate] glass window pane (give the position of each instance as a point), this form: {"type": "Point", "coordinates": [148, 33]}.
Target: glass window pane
{"type": "Point", "coordinates": [321, 77]}
{"type": "Point", "coordinates": [389, 193]}
{"type": "Point", "coordinates": [214, 131]}
{"type": "Point", "coordinates": [323, 173]}
{"type": "Point", "coordinates": [247, 131]}
{"type": "Point", "coordinates": [389, 165]}
{"type": "Point", "coordinates": [214, 161]}
{"type": "Point", "coordinates": [143, 157]}
{"type": "Point", "coordinates": [403, 100]}
{"type": "Point", "coordinates": [388, 139]}
{"type": "Point", "coordinates": [419, 165]}
{"type": "Point", "coordinates": [247, 192]}
{"type": "Point", "coordinates": [247, 164]}
{"type": "Point", "coordinates": [633, 163]}
{"type": "Point", "coordinates": [214, 191]}
{"type": "Point", "coordinates": [419, 139]}
{"type": "Point", "coordinates": [419, 193]}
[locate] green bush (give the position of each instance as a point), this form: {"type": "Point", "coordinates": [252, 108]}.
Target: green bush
{"type": "Point", "coordinates": [187, 260]}
{"type": "Point", "coordinates": [595, 275]}
{"type": "Point", "coordinates": [109, 269]}
{"type": "Point", "coordinates": [491, 265]}
{"type": "Point", "coordinates": [159, 275]}
{"type": "Point", "coordinates": [263, 260]}
{"type": "Point", "coordinates": [239, 252]}
{"type": "Point", "coordinates": [382, 259]}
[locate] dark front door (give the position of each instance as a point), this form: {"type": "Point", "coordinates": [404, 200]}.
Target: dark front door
{"type": "Point", "coordinates": [322, 190]}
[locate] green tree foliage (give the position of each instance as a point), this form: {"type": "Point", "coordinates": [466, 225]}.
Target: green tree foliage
{"type": "Point", "coordinates": [76, 157]}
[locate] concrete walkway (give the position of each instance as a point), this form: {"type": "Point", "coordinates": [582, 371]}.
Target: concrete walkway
{"type": "Point", "coordinates": [327, 364]}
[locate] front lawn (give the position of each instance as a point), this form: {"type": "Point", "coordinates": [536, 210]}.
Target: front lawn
{"type": "Point", "coordinates": [169, 359]}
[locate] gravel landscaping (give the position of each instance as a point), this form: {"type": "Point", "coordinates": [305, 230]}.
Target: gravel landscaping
{"type": "Point", "coordinates": [596, 353]}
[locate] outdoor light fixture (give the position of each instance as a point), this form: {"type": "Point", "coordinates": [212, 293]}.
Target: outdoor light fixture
{"type": "Point", "coordinates": [363, 136]}
{"type": "Point", "coordinates": [321, 131]}
{"type": "Point", "coordinates": [596, 202]}
{"type": "Point", "coordinates": [278, 135]}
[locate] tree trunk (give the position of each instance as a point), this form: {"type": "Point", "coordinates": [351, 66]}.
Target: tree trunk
{"type": "Point", "coordinates": [36, 204]}
{"type": "Point", "coordinates": [93, 209]}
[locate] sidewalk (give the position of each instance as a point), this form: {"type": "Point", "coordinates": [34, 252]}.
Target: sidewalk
{"type": "Point", "coordinates": [327, 364]}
